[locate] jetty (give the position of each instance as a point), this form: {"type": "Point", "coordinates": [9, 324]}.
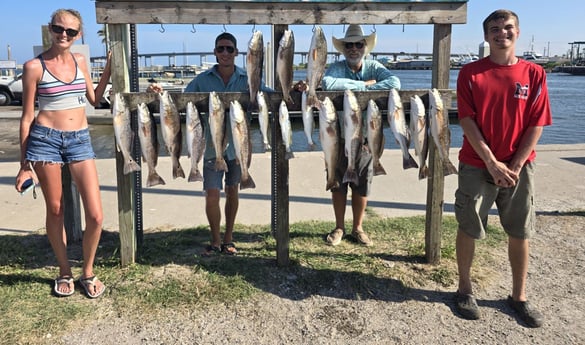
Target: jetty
{"type": "Point", "coordinates": [577, 57]}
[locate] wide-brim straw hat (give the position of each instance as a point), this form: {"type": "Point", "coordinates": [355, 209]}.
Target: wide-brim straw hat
{"type": "Point", "coordinates": [354, 33]}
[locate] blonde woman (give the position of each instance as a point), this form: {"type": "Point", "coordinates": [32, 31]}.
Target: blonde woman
{"type": "Point", "coordinates": [59, 135]}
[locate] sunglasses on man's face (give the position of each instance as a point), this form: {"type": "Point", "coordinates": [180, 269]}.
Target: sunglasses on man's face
{"type": "Point", "coordinates": [229, 49]}
{"type": "Point", "coordinates": [358, 45]}
{"type": "Point", "coordinates": [58, 29]}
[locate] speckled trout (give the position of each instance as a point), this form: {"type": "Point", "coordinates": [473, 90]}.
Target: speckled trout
{"type": "Point", "coordinates": [123, 133]}
{"type": "Point", "coordinates": [263, 118]}
{"type": "Point", "coordinates": [440, 130]}
{"type": "Point", "coordinates": [375, 135]}
{"type": "Point", "coordinates": [242, 143]}
{"type": "Point", "coordinates": [419, 132]}
{"type": "Point", "coordinates": [285, 129]}
{"type": "Point", "coordinates": [254, 65]}
{"type": "Point", "coordinates": [217, 130]}
{"type": "Point", "coordinates": [329, 137]}
{"type": "Point", "coordinates": [399, 128]}
{"type": "Point", "coordinates": [170, 124]}
{"type": "Point", "coordinates": [148, 144]}
{"type": "Point", "coordinates": [316, 63]}
{"type": "Point", "coordinates": [195, 141]}
{"type": "Point", "coordinates": [284, 64]}
{"type": "Point", "coordinates": [353, 135]}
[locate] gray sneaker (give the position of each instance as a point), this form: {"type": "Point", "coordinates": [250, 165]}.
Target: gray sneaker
{"type": "Point", "coordinates": [467, 306]}
{"type": "Point", "coordinates": [362, 238]}
{"type": "Point", "coordinates": [526, 312]}
{"type": "Point", "coordinates": [334, 238]}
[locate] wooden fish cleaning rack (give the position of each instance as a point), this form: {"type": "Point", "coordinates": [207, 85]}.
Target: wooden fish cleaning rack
{"type": "Point", "coordinates": [120, 17]}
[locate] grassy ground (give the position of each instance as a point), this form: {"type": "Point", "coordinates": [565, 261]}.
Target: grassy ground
{"type": "Point", "coordinates": [171, 274]}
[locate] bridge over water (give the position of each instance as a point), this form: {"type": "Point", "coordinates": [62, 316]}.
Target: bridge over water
{"type": "Point", "coordinates": [146, 58]}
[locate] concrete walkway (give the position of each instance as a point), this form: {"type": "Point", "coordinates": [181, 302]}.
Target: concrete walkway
{"type": "Point", "coordinates": [178, 204]}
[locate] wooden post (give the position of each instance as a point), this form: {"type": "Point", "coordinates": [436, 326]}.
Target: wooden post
{"type": "Point", "coordinates": [72, 207]}
{"type": "Point", "coordinates": [436, 182]}
{"type": "Point", "coordinates": [119, 38]}
{"type": "Point", "coordinates": [280, 196]}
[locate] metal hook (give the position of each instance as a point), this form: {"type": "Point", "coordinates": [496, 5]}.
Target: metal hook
{"type": "Point", "coordinates": [402, 27]}
{"type": "Point", "coordinates": [162, 28]}
{"type": "Point", "coordinates": [314, 28]}
{"type": "Point", "coordinates": [373, 28]}
{"type": "Point", "coordinates": [224, 28]}
{"type": "Point", "coordinates": [193, 30]}
{"type": "Point", "coordinates": [254, 28]}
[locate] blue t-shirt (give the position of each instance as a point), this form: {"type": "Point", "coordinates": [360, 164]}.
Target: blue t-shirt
{"type": "Point", "coordinates": [340, 77]}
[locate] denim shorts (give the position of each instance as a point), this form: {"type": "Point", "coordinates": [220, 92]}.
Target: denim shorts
{"type": "Point", "coordinates": [477, 192]}
{"type": "Point", "coordinates": [50, 145]}
{"type": "Point", "coordinates": [212, 178]}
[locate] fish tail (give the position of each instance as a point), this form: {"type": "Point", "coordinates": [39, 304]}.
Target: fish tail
{"type": "Point", "coordinates": [448, 168]}
{"type": "Point", "coordinates": [220, 164]}
{"type": "Point", "coordinates": [351, 176]}
{"type": "Point", "coordinates": [379, 169]}
{"type": "Point", "coordinates": [131, 166]}
{"type": "Point", "coordinates": [423, 172]}
{"type": "Point", "coordinates": [195, 176]}
{"type": "Point", "coordinates": [409, 162]}
{"type": "Point", "coordinates": [154, 179]}
{"type": "Point", "coordinates": [247, 183]}
{"type": "Point", "coordinates": [289, 155]}
{"type": "Point", "coordinates": [178, 170]}
{"type": "Point", "coordinates": [332, 184]}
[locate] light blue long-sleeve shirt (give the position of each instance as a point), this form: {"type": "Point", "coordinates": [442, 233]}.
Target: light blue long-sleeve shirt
{"type": "Point", "coordinates": [340, 77]}
{"type": "Point", "coordinates": [210, 80]}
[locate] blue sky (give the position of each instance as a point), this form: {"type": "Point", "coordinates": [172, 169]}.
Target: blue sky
{"type": "Point", "coordinates": [551, 27]}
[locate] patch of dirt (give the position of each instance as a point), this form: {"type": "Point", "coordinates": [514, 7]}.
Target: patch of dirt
{"type": "Point", "coordinates": [422, 315]}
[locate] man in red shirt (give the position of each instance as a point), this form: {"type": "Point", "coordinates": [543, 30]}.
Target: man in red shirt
{"type": "Point", "coordinates": [503, 106]}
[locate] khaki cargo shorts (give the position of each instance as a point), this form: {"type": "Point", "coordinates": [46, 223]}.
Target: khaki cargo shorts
{"type": "Point", "coordinates": [477, 193]}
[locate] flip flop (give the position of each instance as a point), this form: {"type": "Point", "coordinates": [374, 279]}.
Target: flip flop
{"type": "Point", "coordinates": [229, 248]}
{"type": "Point", "coordinates": [210, 250]}
{"type": "Point", "coordinates": [63, 280]}
{"type": "Point", "coordinates": [87, 284]}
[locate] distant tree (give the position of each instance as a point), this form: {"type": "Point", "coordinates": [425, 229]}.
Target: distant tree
{"type": "Point", "coordinates": [103, 33]}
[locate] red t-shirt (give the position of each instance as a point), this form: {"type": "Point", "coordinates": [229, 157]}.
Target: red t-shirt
{"type": "Point", "coordinates": [503, 100]}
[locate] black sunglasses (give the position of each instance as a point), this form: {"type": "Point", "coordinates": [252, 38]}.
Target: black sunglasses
{"type": "Point", "coordinates": [59, 30]}
{"type": "Point", "coordinates": [229, 49]}
{"type": "Point", "coordinates": [358, 45]}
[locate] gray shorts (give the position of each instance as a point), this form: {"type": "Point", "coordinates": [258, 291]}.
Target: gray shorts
{"type": "Point", "coordinates": [365, 172]}
{"type": "Point", "coordinates": [477, 193]}
{"type": "Point", "coordinates": [212, 178]}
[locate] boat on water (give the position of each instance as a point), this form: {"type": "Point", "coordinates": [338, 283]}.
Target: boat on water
{"type": "Point", "coordinates": [533, 56]}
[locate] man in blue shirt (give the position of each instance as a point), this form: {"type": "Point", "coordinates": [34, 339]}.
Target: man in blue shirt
{"type": "Point", "coordinates": [224, 76]}
{"type": "Point", "coordinates": [358, 74]}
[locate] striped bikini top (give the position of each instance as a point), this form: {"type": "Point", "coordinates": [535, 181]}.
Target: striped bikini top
{"type": "Point", "coordinates": [54, 94]}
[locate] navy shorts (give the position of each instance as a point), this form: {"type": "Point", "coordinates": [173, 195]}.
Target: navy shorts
{"type": "Point", "coordinates": [212, 178]}
{"type": "Point", "coordinates": [50, 145]}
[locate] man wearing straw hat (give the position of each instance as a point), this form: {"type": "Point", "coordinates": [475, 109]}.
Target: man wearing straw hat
{"type": "Point", "coordinates": [358, 74]}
